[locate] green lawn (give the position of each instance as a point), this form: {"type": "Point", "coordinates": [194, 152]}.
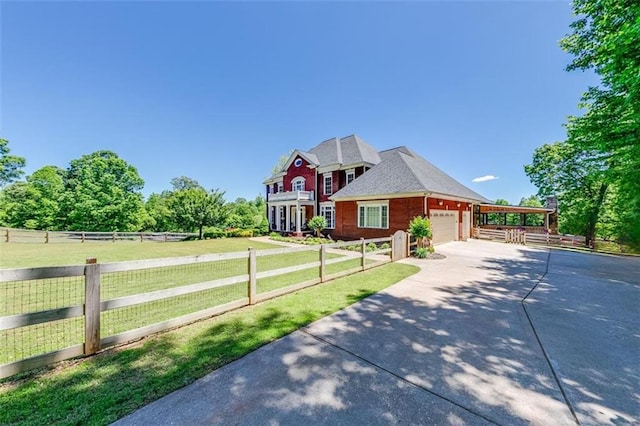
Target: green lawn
{"type": "Point", "coordinates": [22, 255]}
{"type": "Point", "coordinates": [103, 388]}
{"type": "Point", "coordinates": [38, 295]}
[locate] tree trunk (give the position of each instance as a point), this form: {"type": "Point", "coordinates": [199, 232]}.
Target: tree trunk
{"type": "Point", "coordinates": [200, 236]}
{"type": "Point", "coordinates": [590, 234]}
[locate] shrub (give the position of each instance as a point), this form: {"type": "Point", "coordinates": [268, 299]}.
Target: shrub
{"type": "Point", "coordinates": [385, 246]}
{"type": "Point", "coordinates": [421, 252]}
{"type": "Point", "coordinates": [274, 234]}
{"type": "Point", "coordinates": [239, 233]}
{"type": "Point", "coordinates": [317, 223]}
{"type": "Point", "coordinates": [372, 247]}
{"type": "Point", "coordinates": [213, 232]}
{"type": "Point", "coordinates": [420, 228]}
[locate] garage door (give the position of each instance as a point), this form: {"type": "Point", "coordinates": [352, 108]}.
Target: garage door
{"type": "Point", "coordinates": [444, 225]}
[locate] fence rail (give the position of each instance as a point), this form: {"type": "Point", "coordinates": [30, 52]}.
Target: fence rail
{"type": "Point", "coordinates": [29, 236]}
{"type": "Point", "coordinates": [516, 236]}
{"type": "Point", "coordinates": [50, 314]}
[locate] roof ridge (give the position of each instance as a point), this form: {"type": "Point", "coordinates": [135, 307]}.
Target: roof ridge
{"type": "Point", "coordinates": [402, 155]}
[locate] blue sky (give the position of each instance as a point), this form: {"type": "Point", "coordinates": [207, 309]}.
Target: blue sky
{"type": "Point", "coordinates": [218, 91]}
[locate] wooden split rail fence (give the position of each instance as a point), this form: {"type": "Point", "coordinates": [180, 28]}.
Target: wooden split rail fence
{"type": "Point", "coordinates": [29, 236]}
{"type": "Point", "coordinates": [223, 281]}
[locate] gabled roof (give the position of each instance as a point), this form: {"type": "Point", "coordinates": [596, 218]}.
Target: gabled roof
{"type": "Point", "coordinates": [401, 171]}
{"type": "Point", "coordinates": [350, 150]}
{"type": "Point", "coordinates": [345, 151]}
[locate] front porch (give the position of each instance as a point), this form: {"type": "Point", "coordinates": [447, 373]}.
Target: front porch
{"type": "Point", "coordinates": [291, 218]}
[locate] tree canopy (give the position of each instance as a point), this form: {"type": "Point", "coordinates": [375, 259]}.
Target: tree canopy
{"type": "Point", "coordinates": [596, 170]}
{"type": "Point", "coordinates": [10, 165]}
{"type": "Point", "coordinates": [102, 192]}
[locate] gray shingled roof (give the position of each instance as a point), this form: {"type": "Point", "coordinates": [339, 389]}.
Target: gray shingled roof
{"type": "Point", "coordinates": [403, 171]}
{"type": "Point", "coordinates": [349, 150]}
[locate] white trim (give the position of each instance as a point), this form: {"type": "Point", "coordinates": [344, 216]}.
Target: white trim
{"type": "Point", "coordinates": [296, 180]}
{"type": "Point", "coordinates": [324, 183]}
{"type": "Point", "coordinates": [330, 207]}
{"type": "Point", "coordinates": [380, 205]}
{"type": "Point", "coordinates": [351, 172]}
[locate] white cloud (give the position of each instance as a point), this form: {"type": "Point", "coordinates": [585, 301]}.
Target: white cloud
{"type": "Point", "coordinates": [484, 178]}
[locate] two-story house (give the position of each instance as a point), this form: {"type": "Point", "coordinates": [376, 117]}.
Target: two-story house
{"type": "Point", "coordinates": [302, 189]}
{"type": "Point", "coordinates": [365, 193]}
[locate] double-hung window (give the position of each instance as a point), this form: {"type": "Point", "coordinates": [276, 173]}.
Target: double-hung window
{"type": "Point", "coordinates": [328, 184]}
{"type": "Point", "coordinates": [351, 175]}
{"type": "Point", "coordinates": [329, 213]}
{"type": "Point", "coordinates": [373, 215]}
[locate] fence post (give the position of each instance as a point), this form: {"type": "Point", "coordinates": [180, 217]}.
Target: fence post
{"type": "Point", "coordinates": [91, 306]}
{"type": "Point", "coordinates": [323, 258]}
{"type": "Point", "coordinates": [46, 237]}
{"type": "Point", "coordinates": [113, 239]}
{"type": "Point", "coordinates": [252, 290]}
{"type": "Point", "coordinates": [363, 251]}
{"type": "Point", "coordinates": [6, 235]}
{"type": "Point", "coordinates": [141, 236]}
{"type": "Point", "coordinates": [82, 241]}
{"type": "Point", "coordinates": [166, 237]}
{"type": "Point", "coordinates": [392, 254]}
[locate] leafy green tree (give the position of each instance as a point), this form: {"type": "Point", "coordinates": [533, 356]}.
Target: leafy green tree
{"type": "Point", "coordinates": [34, 204]}
{"type": "Point", "coordinates": [161, 217]}
{"type": "Point", "coordinates": [102, 193]}
{"type": "Point", "coordinates": [195, 208]}
{"type": "Point", "coordinates": [605, 39]}
{"type": "Point", "coordinates": [247, 214]}
{"type": "Point", "coordinates": [183, 182]}
{"type": "Point", "coordinates": [317, 223]}
{"type": "Point", "coordinates": [10, 165]}
{"type": "Point", "coordinates": [420, 228]}
{"type": "Point", "coordinates": [577, 178]}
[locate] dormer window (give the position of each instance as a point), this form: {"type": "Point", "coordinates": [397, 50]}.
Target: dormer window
{"type": "Point", "coordinates": [351, 175]}
{"type": "Point", "coordinates": [297, 184]}
{"type": "Point", "coordinates": [280, 187]}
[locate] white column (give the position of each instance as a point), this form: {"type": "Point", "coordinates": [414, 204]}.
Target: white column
{"type": "Point", "coordinates": [298, 217]}
{"type": "Point", "coordinates": [278, 218]}
{"type": "Point", "coordinates": [287, 218]}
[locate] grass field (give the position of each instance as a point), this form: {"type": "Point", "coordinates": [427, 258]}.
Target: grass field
{"type": "Point", "coordinates": [103, 388]}
{"type": "Point", "coordinates": [38, 295]}
{"type": "Point", "coordinates": [23, 255]}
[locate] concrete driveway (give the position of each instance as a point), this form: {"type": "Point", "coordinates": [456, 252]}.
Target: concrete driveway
{"type": "Point", "coordinates": [493, 334]}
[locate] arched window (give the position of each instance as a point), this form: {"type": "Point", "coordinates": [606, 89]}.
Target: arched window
{"type": "Point", "coordinates": [297, 184]}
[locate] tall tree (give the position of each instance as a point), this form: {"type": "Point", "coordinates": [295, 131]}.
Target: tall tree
{"type": "Point", "coordinates": [606, 39]}
{"type": "Point", "coordinates": [195, 208]}
{"type": "Point", "coordinates": [157, 206]}
{"type": "Point", "coordinates": [10, 165]}
{"type": "Point", "coordinates": [34, 204]}
{"type": "Point", "coordinates": [102, 193]}
{"type": "Point", "coordinates": [577, 178]}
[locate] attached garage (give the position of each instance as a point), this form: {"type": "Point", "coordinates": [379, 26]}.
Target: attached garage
{"type": "Point", "coordinates": [444, 225]}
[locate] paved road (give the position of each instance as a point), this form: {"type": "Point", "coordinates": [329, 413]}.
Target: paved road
{"type": "Point", "coordinates": [493, 334]}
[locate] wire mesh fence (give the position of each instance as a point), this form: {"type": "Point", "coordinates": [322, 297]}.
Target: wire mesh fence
{"type": "Point", "coordinates": [141, 281]}
{"type": "Point", "coordinates": [38, 295]}
{"type": "Point", "coordinates": [49, 312]}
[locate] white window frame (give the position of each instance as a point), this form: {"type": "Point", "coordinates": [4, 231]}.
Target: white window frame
{"type": "Point", "coordinates": [296, 181]}
{"type": "Point", "coordinates": [329, 210]}
{"type": "Point", "coordinates": [366, 209]}
{"type": "Point", "coordinates": [350, 173]}
{"type": "Point", "coordinates": [327, 177]}
{"type": "Point", "coordinates": [280, 187]}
